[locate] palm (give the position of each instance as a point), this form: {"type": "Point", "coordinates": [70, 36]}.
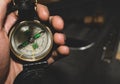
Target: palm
{"type": "Point", "coordinates": [4, 47]}
{"type": "Point", "coordinates": [15, 68]}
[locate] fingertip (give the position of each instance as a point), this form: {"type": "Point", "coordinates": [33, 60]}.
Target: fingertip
{"type": "Point", "coordinates": [63, 50]}
{"type": "Point", "coordinates": [57, 22]}
{"type": "Point", "coordinates": [42, 11]}
{"type": "Point", "coordinates": [59, 38]}
{"type": "Point", "coordinates": [50, 60]}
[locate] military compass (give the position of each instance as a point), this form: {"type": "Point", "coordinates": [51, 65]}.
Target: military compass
{"type": "Point", "coordinates": [29, 39]}
{"type": "Point", "coordinates": [31, 42]}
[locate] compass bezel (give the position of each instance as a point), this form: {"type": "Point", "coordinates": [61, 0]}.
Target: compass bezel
{"type": "Point", "coordinates": [38, 57]}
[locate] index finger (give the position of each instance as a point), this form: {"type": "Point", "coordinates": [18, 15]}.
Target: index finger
{"type": "Point", "coordinates": [42, 11]}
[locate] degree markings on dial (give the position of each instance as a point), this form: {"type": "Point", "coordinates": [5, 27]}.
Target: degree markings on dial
{"type": "Point", "coordinates": [33, 54]}
{"type": "Point", "coordinates": [21, 55]}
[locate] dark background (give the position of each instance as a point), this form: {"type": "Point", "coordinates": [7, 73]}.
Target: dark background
{"type": "Point", "coordinates": [87, 66]}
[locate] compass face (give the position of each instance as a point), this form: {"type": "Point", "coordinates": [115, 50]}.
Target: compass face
{"type": "Point", "coordinates": [30, 41]}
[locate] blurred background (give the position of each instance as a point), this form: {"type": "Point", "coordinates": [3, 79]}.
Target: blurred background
{"type": "Point", "coordinates": [92, 30]}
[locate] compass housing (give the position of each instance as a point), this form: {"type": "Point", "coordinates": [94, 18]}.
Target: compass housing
{"type": "Point", "coordinates": [30, 40]}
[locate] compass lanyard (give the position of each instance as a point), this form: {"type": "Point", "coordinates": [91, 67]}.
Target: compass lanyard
{"type": "Point", "coordinates": [26, 9]}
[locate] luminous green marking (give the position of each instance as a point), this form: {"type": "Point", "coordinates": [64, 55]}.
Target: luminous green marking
{"type": "Point", "coordinates": [35, 46]}
{"type": "Point", "coordinates": [23, 44]}
{"type": "Point", "coordinates": [36, 35]}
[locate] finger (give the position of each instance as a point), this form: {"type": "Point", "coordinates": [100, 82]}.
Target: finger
{"type": "Point", "coordinates": [62, 50]}
{"type": "Point", "coordinates": [42, 11]}
{"type": "Point", "coordinates": [59, 38]}
{"type": "Point", "coordinates": [11, 19]}
{"type": "Point", "coordinates": [50, 60]}
{"type": "Point", "coordinates": [3, 8]}
{"type": "Point", "coordinates": [57, 22]}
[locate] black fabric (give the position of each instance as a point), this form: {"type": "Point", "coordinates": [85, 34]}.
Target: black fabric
{"type": "Point", "coordinates": [32, 76]}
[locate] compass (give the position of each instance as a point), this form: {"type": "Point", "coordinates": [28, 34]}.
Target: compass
{"type": "Point", "coordinates": [30, 40]}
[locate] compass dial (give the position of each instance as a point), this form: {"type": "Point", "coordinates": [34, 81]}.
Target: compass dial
{"type": "Point", "coordinates": [30, 40]}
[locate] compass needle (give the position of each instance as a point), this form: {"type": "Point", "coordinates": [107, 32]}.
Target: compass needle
{"type": "Point", "coordinates": [24, 44]}
{"type": "Point", "coordinates": [38, 35]}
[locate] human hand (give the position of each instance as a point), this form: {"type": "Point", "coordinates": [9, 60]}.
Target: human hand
{"type": "Point", "coordinates": [9, 68]}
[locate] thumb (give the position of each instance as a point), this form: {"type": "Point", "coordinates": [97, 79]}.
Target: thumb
{"type": "Point", "coordinates": [3, 8]}
{"type": "Point", "coordinates": [10, 20]}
